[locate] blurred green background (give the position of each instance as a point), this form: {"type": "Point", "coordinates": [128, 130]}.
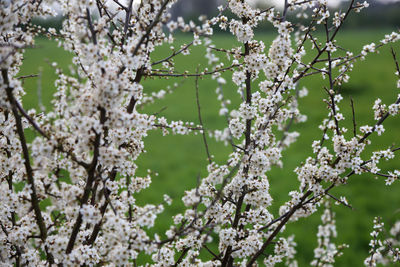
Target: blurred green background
{"type": "Point", "coordinates": [180, 159]}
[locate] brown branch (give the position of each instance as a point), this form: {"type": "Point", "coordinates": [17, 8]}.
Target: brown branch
{"type": "Point", "coordinates": [278, 229]}
{"type": "Point", "coordinates": [382, 119]}
{"type": "Point", "coordinates": [103, 209]}
{"type": "Point", "coordinates": [173, 54]}
{"type": "Point", "coordinates": [150, 27]}
{"type": "Point", "coordinates": [133, 101]}
{"type": "Point", "coordinates": [92, 31]}
{"type": "Point", "coordinates": [338, 200]}
{"type": "Point", "coordinates": [41, 132]}
{"type": "Point", "coordinates": [29, 172]}
{"type": "Point", "coordinates": [128, 14]}
{"type": "Point", "coordinates": [27, 76]}
{"type": "Point", "coordinates": [88, 187]}
{"type": "Point", "coordinates": [228, 260]}
{"type": "Point", "coordinates": [181, 256]}
{"type": "Point", "coordinates": [395, 61]}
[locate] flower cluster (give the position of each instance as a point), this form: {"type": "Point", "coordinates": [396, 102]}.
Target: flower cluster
{"type": "Point", "coordinates": [69, 195]}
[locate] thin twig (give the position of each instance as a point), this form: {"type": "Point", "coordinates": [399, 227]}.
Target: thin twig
{"type": "Point", "coordinates": [203, 132]}
{"type": "Point", "coordinates": [354, 118]}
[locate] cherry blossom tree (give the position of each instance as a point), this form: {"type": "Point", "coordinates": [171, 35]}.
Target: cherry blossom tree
{"type": "Point", "coordinates": [83, 158]}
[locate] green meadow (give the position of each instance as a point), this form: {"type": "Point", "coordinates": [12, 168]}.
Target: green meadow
{"type": "Point", "coordinates": [179, 160]}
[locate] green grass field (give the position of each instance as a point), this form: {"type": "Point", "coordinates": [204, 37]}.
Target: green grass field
{"type": "Point", "coordinates": [179, 160]}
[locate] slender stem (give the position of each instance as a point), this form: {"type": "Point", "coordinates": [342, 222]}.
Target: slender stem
{"type": "Point", "coordinates": [201, 121]}
{"type": "Point", "coordinates": [354, 118]}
